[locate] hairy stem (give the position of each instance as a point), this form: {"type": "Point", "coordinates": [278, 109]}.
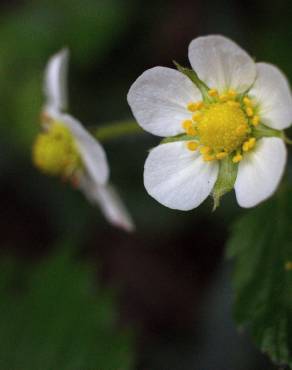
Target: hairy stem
{"type": "Point", "coordinates": [116, 130]}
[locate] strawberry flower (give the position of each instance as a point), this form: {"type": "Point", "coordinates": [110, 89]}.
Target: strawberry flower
{"type": "Point", "coordinates": [64, 148]}
{"type": "Point", "coordinates": [222, 122]}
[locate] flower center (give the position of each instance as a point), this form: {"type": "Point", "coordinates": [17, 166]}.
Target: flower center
{"type": "Point", "coordinates": [222, 127]}
{"type": "Point", "coordinates": [55, 152]}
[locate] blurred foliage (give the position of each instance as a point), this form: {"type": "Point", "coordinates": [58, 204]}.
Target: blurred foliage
{"type": "Point", "coordinates": [39, 29]}
{"type": "Point", "coordinates": [261, 244]}
{"type": "Point", "coordinates": [52, 318]}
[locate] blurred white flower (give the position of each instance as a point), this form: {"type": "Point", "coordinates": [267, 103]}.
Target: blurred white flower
{"type": "Point", "coordinates": [64, 148]}
{"type": "Point", "coordinates": [230, 109]}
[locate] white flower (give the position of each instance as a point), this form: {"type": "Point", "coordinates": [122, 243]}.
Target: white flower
{"type": "Point", "coordinates": [229, 110]}
{"type": "Point", "coordinates": [66, 149]}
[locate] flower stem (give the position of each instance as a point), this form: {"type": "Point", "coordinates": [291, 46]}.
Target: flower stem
{"type": "Point", "coordinates": [116, 130]}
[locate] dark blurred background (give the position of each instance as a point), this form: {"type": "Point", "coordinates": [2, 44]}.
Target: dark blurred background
{"type": "Point", "coordinates": [169, 283]}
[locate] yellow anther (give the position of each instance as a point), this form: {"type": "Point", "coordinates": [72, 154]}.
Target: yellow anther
{"type": "Point", "coordinates": [245, 146]}
{"type": "Point", "coordinates": [255, 120]}
{"type": "Point", "coordinates": [249, 144]}
{"type": "Point", "coordinates": [233, 103]}
{"type": "Point", "coordinates": [186, 124]}
{"type": "Point", "coordinates": [208, 157]}
{"type": "Point", "coordinates": [223, 97]}
{"type": "Point", "coordinates": [205, 150]}
{"type": "Point", "coordinates": [237, 158]}
{"type": "Point", "coordinates": [193, 107]}
{"type": "Point", "coordinates": [241, 130]}
{"type": "Point", "coordinates": [221, 155]}
{"type": "Point", "coordinates": [197, 116]}
{"type": "Point", "coordinates": [288, 266]}
{"type": "Point", "coordinates": [252, 142]}
{"type": "Point", "coordinates": [199, 104]}
{"type": "Point", "coordinates": [213, 92]}
{"type": "Point", "coordinates": [192, 131]}
{"type": "Point", "coordinates": [231, 94]}
{"type": "Point", "coordinates": [247, 101]}
{"type": "Point", "coordinates": [249, 111]}
{"type": "Point", "coordinates": [192, 145]}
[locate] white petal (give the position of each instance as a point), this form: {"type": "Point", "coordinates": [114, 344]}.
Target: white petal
{"type": "Point", "coordinates": [159, 98]}
{"type": "Point", "coordinates": [221, 63]}
{"type": "Point", "coordinates": [92, 153]}
{"type": "Point", "coordinates": [260, 172]}
{"type": "Point", "coordinates": [110, 203]}
{"type": "Point", "coordinates": [271, 90]}
{"type": "Point", "coordinates": [177, 177]}
{"type": "Point", "coordinates": [55, 82]}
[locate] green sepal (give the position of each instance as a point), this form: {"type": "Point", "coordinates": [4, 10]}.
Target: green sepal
{"type": "Point", "coordinates": [180, 137]}
{"type": "Point", "coordinates": [263, 131]}
{"type": "Point", "coordinates": [192, 75]}
{"type": "Point", "coordinates": [225, 181]}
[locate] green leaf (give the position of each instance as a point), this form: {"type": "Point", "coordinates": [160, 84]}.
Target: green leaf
{"type": "Point", "coordinates": [54, 319]}
{"type": "Point", "coordinates": [261, 242]}
{"type": "Point", "coordinates": [225, 181]}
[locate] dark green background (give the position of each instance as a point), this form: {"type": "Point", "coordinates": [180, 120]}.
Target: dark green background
{"type": "Point", "coordinates": [171, 284]}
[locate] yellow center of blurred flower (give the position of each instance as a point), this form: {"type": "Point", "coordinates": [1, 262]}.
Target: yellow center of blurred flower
{"type": "Point", "coordinates": [55, 152]}
{"type": "Point", "coordinates": [222, 127]}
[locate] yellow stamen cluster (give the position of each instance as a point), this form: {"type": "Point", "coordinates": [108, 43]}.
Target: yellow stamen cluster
{"type": "Point", "coordinates": [55, 152]}
{"type": "Point", "coordinates": [218, 127]}
{"type": "Point", "coordinates": [222, 126]}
